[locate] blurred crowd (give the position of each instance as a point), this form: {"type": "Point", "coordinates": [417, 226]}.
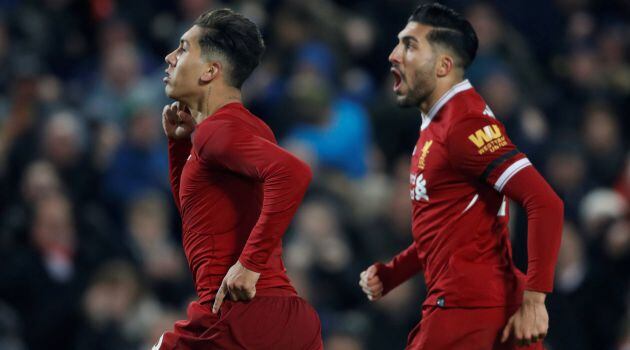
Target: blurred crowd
{"type": "Point", "coordinates": [90, 245]}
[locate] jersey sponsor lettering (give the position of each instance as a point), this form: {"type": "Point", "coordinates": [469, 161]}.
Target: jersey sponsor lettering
{"type": "Point", "coordinates": [488, 139]}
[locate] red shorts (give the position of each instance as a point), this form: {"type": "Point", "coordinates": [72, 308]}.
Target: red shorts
{"type": "Point", "coordinates": [464, 329]}
{"type": "Point", "coordinates": [265, 322]}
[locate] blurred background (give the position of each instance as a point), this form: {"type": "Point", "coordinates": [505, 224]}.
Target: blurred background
{"type": "Point", "coordinates": [90, 248]}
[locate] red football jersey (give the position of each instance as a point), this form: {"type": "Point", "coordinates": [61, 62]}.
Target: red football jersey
{"type": "Point", "coordinates": [461, 162]}
{"type": "Point", "coordinates": [236, 191]}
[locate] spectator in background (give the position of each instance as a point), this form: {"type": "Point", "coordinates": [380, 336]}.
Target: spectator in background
{"type": "Point", "coordinates": [564, 84]}
{"type": "Point", "coordinates": [10, 329]}
{"type": "Point", "coordinates": [319, 247]}
{"type": "Point", "coordinates": [139, 164]}
{"type": "Point", "coordinates": [40, 180]}
{"type": "Point", "coordinates": [330, 133]}
{"type": "Point", "coordinates": [604, 147]}
{"type": "Point", "coordinates": [64, 146]}
{"type": "Point", "coordinates": [120, 84]}
{"type": "Point", "coordinates": [19, 132]}
{"type": "Point", "coordinates": [152, 247]}
{"type": "Point", "coordinates": [566, 170]}
{"type": "Point", "coordinates": [343, 341]}
{"type": "Point", "coordinates": [43, 280]}
{"type": "Point", "coordinates": [116, 311]}
{"type": "Point", "coordinates": [500, 46]}
{"type": "Point", "coordinates": [576, 285]}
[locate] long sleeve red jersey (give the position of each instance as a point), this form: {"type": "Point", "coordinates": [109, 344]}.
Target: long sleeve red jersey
{"type": "Point", "coordinates": [236, 191]}
{"type": "Point", "coordinates": [462, 169]}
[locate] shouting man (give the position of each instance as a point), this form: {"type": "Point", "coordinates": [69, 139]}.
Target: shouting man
{"type": "Point", "coordinates": [463, 170]}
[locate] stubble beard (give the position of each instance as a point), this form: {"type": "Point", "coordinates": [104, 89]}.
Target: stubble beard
{"type": "Point", "coordinates": [420, 91]}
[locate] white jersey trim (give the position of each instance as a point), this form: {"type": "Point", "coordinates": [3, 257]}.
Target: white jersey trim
{"type": "Point", "coordinates": [159, 343]}
{"type": "Point", "coordinates": [472, 202]}
{"type": "Point", "coordinates": [456, 89]}
{"type": "Point", "coordinates": [511, 171]}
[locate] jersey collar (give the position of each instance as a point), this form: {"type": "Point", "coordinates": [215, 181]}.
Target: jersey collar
{"type": "Point", "coordinates": [457, 88]}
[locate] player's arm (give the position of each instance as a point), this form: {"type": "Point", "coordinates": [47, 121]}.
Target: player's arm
{"type": "Point", "coordinates": [379, 279]}
{"type": "Point", "coordinates": [544, 222]}
{"type": "Point", "coordinates": [178, 125]}
{"type": "Point", "coordinates": [495, 160]}
{"type": "Point", "coordinates": [285, 180]}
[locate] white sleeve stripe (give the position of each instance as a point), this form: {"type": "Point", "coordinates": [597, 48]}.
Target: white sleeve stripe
{"type": "Point", "coordinates": [511, 171]}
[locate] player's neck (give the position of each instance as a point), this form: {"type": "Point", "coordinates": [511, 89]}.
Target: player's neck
{"type": "Point", "coordinates": [442, 86]}
{"type": "Point", "coordinates": [215, 100]}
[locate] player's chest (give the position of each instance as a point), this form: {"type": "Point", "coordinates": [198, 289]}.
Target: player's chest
{"type": "Point", "coordinates": [196, 175]}
{"type": "Point", "coordinates": [430, 171]}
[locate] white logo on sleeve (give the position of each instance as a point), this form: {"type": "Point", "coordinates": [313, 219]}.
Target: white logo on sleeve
{"type": "Point", "coordinates": [419, 187]}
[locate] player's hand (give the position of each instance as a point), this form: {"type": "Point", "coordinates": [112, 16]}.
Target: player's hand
{"type": "Point", "coordinates": [177, 121]}
{"type": "Point", "coordinates": [371, 283]}
{"type": "Point", "coordinates": [530, 323]}
{"type": "Point", "coordinates": [239, 283]}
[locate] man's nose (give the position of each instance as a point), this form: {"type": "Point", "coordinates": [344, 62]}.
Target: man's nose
{"type": "Point", "coordinates": [394, 56]}
{"type": "Point", "coordinates": [169, 59]}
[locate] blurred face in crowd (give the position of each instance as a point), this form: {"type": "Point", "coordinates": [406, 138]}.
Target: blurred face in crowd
{"type": "Point", "coordinates": [413, 65]}
{"type": "Point", "coordinates": [188, 72]}
{"type": "Point", "coordinates": [40, 180]}
{"type": "Point", "coordinates": [53, 227]}
{"type": "Point", "coordinates": [62, 136]}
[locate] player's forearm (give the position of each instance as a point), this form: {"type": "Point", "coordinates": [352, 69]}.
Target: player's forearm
{"type": "Point", "coordinates": [178, 152]}
{"type": "Point", "coordinates": [401, 268]}
{"type": "Point", "coordinates": [545, 213]}
{"type": "Point", "coordinates": [284, 186]}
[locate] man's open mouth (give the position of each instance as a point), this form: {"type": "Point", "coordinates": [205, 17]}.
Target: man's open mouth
{"type": "Point", "coordinates": [397, 78]}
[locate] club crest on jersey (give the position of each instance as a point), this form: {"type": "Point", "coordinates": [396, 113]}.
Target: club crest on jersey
{"type": "Point", "coordinates": [423, 156]}
{"type": "Point", "coordinates": [488, 139]}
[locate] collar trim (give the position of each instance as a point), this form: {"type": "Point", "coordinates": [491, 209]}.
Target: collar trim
{"type": "Point", "coordinates": [456, 89]}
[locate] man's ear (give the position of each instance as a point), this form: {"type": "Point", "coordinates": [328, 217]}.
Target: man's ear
{"type": "Point", "coordinates": [445, 65]}
{"type": "Point", "coordinates": [212, 72]}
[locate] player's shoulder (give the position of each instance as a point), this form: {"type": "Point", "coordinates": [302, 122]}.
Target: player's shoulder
{"type": "Point", "coordinates": [229, 125]}
{"type": "Point", "coordinates": [468, 104]}
{"type": "Point", "coordinates": [215, 124]}
{"type": "Point", "coordinates": [471, 112]}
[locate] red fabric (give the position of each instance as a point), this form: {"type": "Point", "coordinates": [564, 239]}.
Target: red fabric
{"type": "Point", "coordinates": [178, 151]}
{"type": "Point", "coordinates": [237, 193]}
{"type": "Point", "coordinates": [462, 167]}
{"type": "Point", "coordinates": [399, 269]}
{"type": "Point", "coordinates": [464, 329]}
{"type": "Point", "coordinates": [544, 224]}
{"type": "Point", "coordinates": [282, 323]}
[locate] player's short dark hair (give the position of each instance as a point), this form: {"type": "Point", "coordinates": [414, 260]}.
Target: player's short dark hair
{"type": "Point", "coordinates": [450, 29]}
{"type": "Point", "coordinates": [236, 38]}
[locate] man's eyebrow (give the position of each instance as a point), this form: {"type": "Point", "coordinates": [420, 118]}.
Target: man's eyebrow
{"type": "Point", "coordinates": [408, 38]}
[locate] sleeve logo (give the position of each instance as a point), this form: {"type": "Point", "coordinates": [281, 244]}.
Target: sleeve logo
{"type": "Point", "coordinates": [488, 139]}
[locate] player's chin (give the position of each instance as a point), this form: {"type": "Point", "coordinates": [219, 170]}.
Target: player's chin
{"type": "Point", "coordinates": [170, 92]}
{"type": "Point", "coordinates": [403, 101]}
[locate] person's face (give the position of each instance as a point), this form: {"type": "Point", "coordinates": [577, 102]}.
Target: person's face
{"type": "Point", "coordinates": [413, 66]}
{"type": "Point", "coordinates": [53, 228]}
{"type": "Point", "coordinates": [186, 68]}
